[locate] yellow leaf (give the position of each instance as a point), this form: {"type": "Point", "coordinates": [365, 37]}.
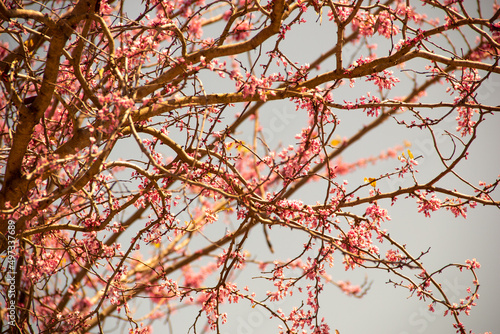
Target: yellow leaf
{"type": "Point", "coordinates": [101, 73]}
{"type": "Point", "coordinates": [229, 146]}
{"type": "Point", "coordinates": [407, 143]}
{"type": "Point", "coordinates": [371, 180]}
{"type": "Point", "coordinates": [241, 147]}
{"type": "Point", "coordinates": [410, 154]}
{"type": "Point", "coordinates": [336, 141]}
{"type": "Point", "coordinates": [29, 43]}
{"type": "Point", "coordinates": [225, 207]}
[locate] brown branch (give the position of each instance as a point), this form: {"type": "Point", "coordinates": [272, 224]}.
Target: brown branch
{"type": "Point", "coordinates": [167, 271]}
{"type": "Point", "coordinates": [220, 51]}
{"type": "Point", "coordinates": [410, 190]}
{"type": "Point", "coordinates": [11, 191]}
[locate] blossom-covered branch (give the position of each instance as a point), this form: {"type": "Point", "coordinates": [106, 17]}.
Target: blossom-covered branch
{"type": "Point", "coordinates": [142, 158]}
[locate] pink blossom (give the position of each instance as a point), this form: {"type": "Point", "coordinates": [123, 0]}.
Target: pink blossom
{"type": "Point", "coordinates": [428, 205]}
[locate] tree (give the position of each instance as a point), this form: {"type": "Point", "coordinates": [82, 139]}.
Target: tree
{"type": "Point", "coordinates": [135, 163]}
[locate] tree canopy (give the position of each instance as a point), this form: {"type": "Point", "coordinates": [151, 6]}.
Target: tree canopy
{"type": "Point", "coordinates": [220, 155]}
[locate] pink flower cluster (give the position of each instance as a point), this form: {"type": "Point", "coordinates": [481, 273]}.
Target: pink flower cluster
{"type": "Point", "coordinates": [465, 88]}
{"type": "Point", "coordinates": [211, 298]}
{"type": "Point", "coordinates": [428, 205]}
{"type": "Point", "coordinates": [384, 80]}
{"type": "Point", "coordinates": [254, 85]}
